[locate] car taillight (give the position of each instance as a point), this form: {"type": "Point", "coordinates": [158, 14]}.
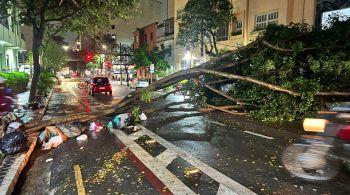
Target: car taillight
{"type": "Point", "coordinates": [344, 133]}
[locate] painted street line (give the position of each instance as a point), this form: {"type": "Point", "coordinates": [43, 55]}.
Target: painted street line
{"type": "Point", "coordinates": [154, 165]}
{"type": "Point", "coordinates": [136, 135]}
{"type": "Point", "coordinates": [79, 180]}
{"type": "Point", "coordinates": [167, 157]}
{"type": "Point", "coordinates": [259, 135]}
{"type": "Point", "coordinates": [217, 123]}
{"type": "Point", "coordinates": [232, 187]}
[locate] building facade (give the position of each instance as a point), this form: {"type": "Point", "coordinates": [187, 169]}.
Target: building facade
{"type": "Point", "coordinates": [252, 17]}
{"type": "Point", "coordinates": [165, 32]}
{"type": "Point", "coordinates": [12, 45]}
{"type": "Point", "coordinates": [145, 35]}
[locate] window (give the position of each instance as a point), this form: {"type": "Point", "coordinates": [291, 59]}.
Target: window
{"type": "Point", "coordinates": [151, 36]}
{"type": "Point", "coordinates": [180, 12]}
{"type": "Point", "coordinates": [263, 20]}
{"type": "Point", "coordinates": [113, 26]}
{"type": "Point", "coordinates": [169, 27]}
{"type": "Point", "coordinates": [146, 38]}
{"type": "Point", "coordinates": [238, 28]}
{"type": "Point", "coordinates": [222, 34]}
{"type": "Point", "coordinates": [136, 38]}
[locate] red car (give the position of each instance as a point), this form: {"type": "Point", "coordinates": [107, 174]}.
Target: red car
{"type": "Point", "coordinates": [98, 85]}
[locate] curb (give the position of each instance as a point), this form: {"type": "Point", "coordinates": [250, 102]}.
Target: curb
{"type": "Point", "coordinates": [14, 164]}
{"type": "Point", "coordinates": [157, 165]}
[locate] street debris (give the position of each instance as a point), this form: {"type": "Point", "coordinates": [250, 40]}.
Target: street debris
{"type": "Point", "coordinates": [49, 160]}
{"type": "Point", "coordinates": [51, 137]}
{"type": "Point", "coordinates": [13, 127]}
{"type": "Point", "coordinates": [94, 126]}
{"type": "Point", "coordinates": [13, 142]}
{"type": "Point", "coordinates": [121, 121]}
{"type": "Point", "coordinates": [70, 130]}
{"type": "Point", "coordinates": [82, 137]}
{"type": "Point", "coordinates": [54, 142]}
{"type": "Point", "coordinates": [109, 166]}
{"type": "Point", "coordinates": [143, 117]}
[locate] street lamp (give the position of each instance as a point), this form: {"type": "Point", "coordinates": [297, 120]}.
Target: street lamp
{"type": "Point", "coordinates": [65, 47]}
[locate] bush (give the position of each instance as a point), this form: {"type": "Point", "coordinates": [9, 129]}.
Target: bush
{"type": "Point", "coordinates": [46, 82]}
{"type": "Point", "coordinates": [17, 81]}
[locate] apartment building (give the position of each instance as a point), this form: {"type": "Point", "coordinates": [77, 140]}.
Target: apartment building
{"type": "Point", "coordinates": [145, 35]}
{"type": "Point", "coordinates": [12, 44]}
{"type": "Point", "coordinates": [252, 17]}
{"type": "Point", "coordinates": [165, 32]}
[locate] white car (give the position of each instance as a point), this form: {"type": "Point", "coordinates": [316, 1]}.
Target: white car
{"type": "Point", "coordinates": [142, 84]}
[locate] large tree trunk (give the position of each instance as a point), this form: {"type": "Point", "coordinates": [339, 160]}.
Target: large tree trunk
{"type": "Point", "coordinates": [38, 37]}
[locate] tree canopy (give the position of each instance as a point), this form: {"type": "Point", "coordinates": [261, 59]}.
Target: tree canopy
{"type": "Point", "coordinates": [88, 16]}
{"type": "Point", "coordinates": [201, 20]}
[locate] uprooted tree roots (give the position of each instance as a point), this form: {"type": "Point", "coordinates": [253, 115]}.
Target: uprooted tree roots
{"type": "Point", "coordinates": [286, 74]}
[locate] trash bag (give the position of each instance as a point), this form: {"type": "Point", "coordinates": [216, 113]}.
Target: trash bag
{"type": "Point", "coordinates": [14, 142]}
{"type": "Point", "coordinates": [48, 133]}
{"type": "Point", "coordinates": [143, 117]}
{"type": "Point", "coordinates": [70, 130]}
{"type": "Point", "coordinates": [13, 127]}
{"type": "Point", "coordinates": [94, 126]}
{"type": "Point", "coordinates": [52, 143]}
{"type": "Point", "coordinates": [82, 137]}
{"type": "Point", "coordinates": [121, 121]}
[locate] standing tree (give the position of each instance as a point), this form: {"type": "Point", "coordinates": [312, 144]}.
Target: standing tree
{"type": "Point", "coordinates": [143, 58]}
{"type": "Point", "coordinates": [73, 15]}
{"type": "Point", "coordinates": [201, 20]}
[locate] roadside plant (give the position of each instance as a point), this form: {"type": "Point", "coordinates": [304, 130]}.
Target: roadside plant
{"type": "Point", "coordinates": [146, 96]}
{"type": "Point", "coordinates": [136, 113]}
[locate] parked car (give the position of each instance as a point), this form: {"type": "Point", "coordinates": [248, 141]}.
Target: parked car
{"type": "Point", "coordinates": [142, 84]}
{"type": "Point", "coordinates": [98, 85]}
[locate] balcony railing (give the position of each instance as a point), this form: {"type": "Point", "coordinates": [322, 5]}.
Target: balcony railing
{"type": "Point", "coordinates": [11, 38]}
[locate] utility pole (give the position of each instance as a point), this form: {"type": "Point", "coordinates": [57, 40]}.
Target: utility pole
{"type": "Point", "coordinates": [120, 64]}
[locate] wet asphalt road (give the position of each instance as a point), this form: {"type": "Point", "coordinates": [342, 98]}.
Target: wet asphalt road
{"type": "Point", "coordinates": [217, 139]}
{"type": "Point", "coordinates": [106, 168]}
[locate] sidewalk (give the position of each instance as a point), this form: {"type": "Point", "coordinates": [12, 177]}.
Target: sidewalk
{"type": "Point", "coordinates": [12, 165]}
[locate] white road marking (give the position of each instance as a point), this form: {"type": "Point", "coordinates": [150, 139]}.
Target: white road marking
{"type": "Point", "coordinates": [174, 184]}
{"type": "Point", "coordinates": [232, 186]}
{"type": "Point", "coordinates": [136, 135]}
{"type": "Point", "coordinates": [224, 190]}
{"type": "Point", "coordinates": [217, 123]}
{"type": "Point", "coordinates": [167, 157]}
{"type": "Point", "coordinates": [259, 135]}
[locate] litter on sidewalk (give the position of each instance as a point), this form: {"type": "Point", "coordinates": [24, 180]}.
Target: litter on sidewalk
{"type": "Point", "coordinates": [82, 137]}
{"type": "Point", "coordinates": [70, 130]}
{"type": "Point", "coordinates": [51, 137]}
{"type": "Point", "coordinates": [143, 117]}
{"type": "Point", "coordinates": [94, 126]}
{"type": "Point", "coordinates": [13, 142]}
{"type": "Point", "coordinates": [121, 121]}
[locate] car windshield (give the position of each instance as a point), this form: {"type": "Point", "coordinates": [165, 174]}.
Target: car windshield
{"type": "Point", "coordinates": [100, 81]}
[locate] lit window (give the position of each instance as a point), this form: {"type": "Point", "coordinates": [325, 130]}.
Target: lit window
{"type": "Point", "coordinates": [263, 20]}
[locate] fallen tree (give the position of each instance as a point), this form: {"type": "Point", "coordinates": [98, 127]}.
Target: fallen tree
{"type": "Point", "coordinates": [288, 73]}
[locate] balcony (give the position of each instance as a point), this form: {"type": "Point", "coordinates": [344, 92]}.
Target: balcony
{"type": "Point", "coordinates": [10, 39]}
